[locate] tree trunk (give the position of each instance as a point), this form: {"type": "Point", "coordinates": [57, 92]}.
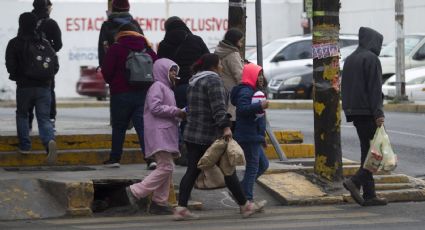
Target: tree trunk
{"type": "Point", "coordinates": [237, 18]}
{"type": "Point", "coordinates": [326, 92]}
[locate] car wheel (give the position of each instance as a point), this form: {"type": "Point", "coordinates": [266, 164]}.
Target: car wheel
{"type": "Point", "coordinates": [101, 98]}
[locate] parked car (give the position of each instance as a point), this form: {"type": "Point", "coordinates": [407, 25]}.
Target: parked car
{"type": "Point", "coordinates": [414, 49]}
{"type": "Point", "coordinates": [415, 85]}
{"type": "Point", "coordinates": [298, 82]}
{"type": "Point", "coordinates": [286, 54]}
{"type": "Point", "coordinates": [91, 83]}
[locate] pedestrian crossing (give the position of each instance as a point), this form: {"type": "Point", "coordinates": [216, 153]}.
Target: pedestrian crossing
{"type": "Point", "coordinates": [273, 218]}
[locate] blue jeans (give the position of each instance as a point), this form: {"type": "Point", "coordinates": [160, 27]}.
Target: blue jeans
{"type": "Point", "coordinates": [125, 107]}
{"type": "Point", "coordinates": [256, 164]}
{"type": "Point", "coordinates": [27, 98]}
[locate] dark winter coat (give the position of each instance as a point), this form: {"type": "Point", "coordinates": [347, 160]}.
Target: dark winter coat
{"type": "Point", "coordinates": [113, 67]}
{"type": "Point", "coordinates": [110, 28]}
{"type": "Point", "coordinates": [183, 47]}
{"type": "Point", "coordinates": [361, 85]}
{"type": "Point", "coordinates": [15, 53]}
{"type": "Point", "coordinates": [249, 127]}
{"type": "Point", "coordinates": [50, 28]}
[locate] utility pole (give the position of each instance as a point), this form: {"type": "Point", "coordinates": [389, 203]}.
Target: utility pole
{"type": "Point", "coordinates": [399, 52]}
{"type": "Point", "coordinates": [306, 16]}
{"type": "Point", "coordinates": [237, 18]}
{"type": "Point", "coordinates": [326, 91]}
{"type": "Point", "coordinates": [259, 34]}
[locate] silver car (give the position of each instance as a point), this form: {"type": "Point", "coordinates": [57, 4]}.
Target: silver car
{"type": "Point", "coordinates": [286, 54]}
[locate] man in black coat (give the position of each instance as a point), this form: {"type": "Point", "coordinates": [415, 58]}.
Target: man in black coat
{"type": "Point", "coordinates": [362, 102]}
{"type": "Point", "coordinates": [184, 48]}
{"type": "Point", "coordinates": [31, 91]}
{"type": "Point", "coordinates": [51, 32]}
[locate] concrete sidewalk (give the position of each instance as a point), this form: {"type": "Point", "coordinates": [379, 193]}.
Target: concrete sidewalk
{"type": "Point", "coordinates": [79, 186]}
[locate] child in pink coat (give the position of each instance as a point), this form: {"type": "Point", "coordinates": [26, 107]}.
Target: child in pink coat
{"type": "Point", "coordinates": [161, 117]}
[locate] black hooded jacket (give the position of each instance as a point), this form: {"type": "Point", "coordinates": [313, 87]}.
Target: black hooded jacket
{"type": "Point", "coordinates": [183, 47]}
{"type": "Point", "coordinates": [50, 28]}
{"type": "Point", "coordinates": [15, 53]}
{"type": "Point", "coordinates": [361, 85]}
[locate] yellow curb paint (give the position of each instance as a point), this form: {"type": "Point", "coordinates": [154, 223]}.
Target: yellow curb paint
{"type": "Point", "coordinates": [172, 195]}
{"type": "Point", "coordinates": [84, 157]}
{"type": "Point", "coordinates": [84, 141]}
{"type": "Point", "coordinates": [395, 178]}
{"type": "Point", "coordinates": [291, 151]}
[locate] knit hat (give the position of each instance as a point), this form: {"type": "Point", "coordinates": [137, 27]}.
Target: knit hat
{"type": "Point", "coordinates": [121, 5]}
{"type": "Point", "coordinates": [233, 35]}
{"type": "Point", "coordinates": [27, 22]}
{"type": "Point", "coordinates": [39, 4]}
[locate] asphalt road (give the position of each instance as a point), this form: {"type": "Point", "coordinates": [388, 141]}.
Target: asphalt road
{"type": "Point", "coordinates": [395, 216]}
{"type": "Point", "coordinates": [406, 132]}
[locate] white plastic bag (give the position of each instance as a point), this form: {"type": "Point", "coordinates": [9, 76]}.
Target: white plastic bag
{"type": "Point", "coordinates": [381, 156]}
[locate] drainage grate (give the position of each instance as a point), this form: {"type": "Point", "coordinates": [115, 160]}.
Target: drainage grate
{"type": "Point", "coordinates": [110, 194]}
{"type": "Point", "coordinates": [50, 168]}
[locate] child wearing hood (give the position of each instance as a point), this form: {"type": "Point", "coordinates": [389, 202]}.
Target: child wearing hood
{"type": "Point", "coordinates": [161, 117]}
{"type": "Point", "coordinates": [250, 125]}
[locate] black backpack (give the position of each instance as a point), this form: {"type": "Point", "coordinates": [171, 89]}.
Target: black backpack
{"type": "Point", "coordinates": [40, 61]}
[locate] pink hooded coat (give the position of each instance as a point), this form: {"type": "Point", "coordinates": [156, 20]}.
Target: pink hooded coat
{"type": "Point", "coordinates": [160, 122]}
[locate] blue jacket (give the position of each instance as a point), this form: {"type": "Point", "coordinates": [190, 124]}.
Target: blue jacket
{"type": "Point", "coordinates": [248, 128]}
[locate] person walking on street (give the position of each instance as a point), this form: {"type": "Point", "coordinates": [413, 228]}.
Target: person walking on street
{"type": "Point", "coordinates": [50, 31]}
{"type": "Point", "coordinates": [32, 63]}
{"type": "Point", "coordinates": [184, 48]}
{"type": "Point", "coordinates": [207, 121]}
{"type": "Point", "coordinates": [362, 102]}
{"type": "Point", "coordinates": [161, 117]}
{"type": "Point", "coordinates": [127, 101]}
{"type": "Point", "coordinates": [250, 126]}
{"type": "Point", "coordinates": [228, 51]}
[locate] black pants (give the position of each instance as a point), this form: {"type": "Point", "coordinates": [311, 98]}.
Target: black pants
{"type": "Point", "coordinates": [195, 153]}
{"type": "Point", "coordinates": [366, 128]}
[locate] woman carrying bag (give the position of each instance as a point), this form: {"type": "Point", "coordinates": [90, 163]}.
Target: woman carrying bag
{"type": "Point", "coordinates": [207, 121]}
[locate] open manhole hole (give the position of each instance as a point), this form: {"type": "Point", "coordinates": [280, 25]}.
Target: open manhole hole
{"type": "Point", "coordinates": [110, 195]}
{"type": "Point", "coordinates": [50, 168]}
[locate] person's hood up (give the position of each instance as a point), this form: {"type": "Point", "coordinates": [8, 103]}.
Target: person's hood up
{"type": "Point", "coordinates": [370, 40]}
{"type": "Point", "coordinates": [134, 41]}
{"type": "Point", "coordinates": [161, 69]}
{"type": "Point", "coordinates": [250, 75]}
{"type": "Point", "coordinates": [195, 78]}
{"type": "Point", "coordinates": [223, 49]}
{"type": "Point", "coordinates": [176, 32]}
{"type": "Point", "coordinates": [27, 25]}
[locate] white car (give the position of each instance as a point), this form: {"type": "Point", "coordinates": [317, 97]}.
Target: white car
{"type": "Point", "coordinates": [286, 54]}
{"type": "Point", "coordinates": [415, 85]}
{"type": "Point", "coordinates": [414, 49]}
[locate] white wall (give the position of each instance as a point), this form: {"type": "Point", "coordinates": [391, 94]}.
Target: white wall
{"type": "Point", "coordinates": [379, 15]}
{"type": "Point", "coordinates": [80, 22]}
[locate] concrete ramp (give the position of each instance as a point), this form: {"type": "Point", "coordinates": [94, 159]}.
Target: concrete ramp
{"type": "Point", "coordinates": [26, 199]}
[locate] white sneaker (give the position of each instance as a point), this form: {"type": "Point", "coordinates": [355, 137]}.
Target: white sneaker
{"type": "Point", "coordinates": [152, 165]}
{"type": "Point", "coordinates": [52, 154]}
{"type": "Point", "coordinates": [20, 151]}
{"type": "Point", "coordinates": [260, 205]}
{"type": "Point", "coordinates": [249, 209]}
{"type": "Point", "coordinates": [182, 213]}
